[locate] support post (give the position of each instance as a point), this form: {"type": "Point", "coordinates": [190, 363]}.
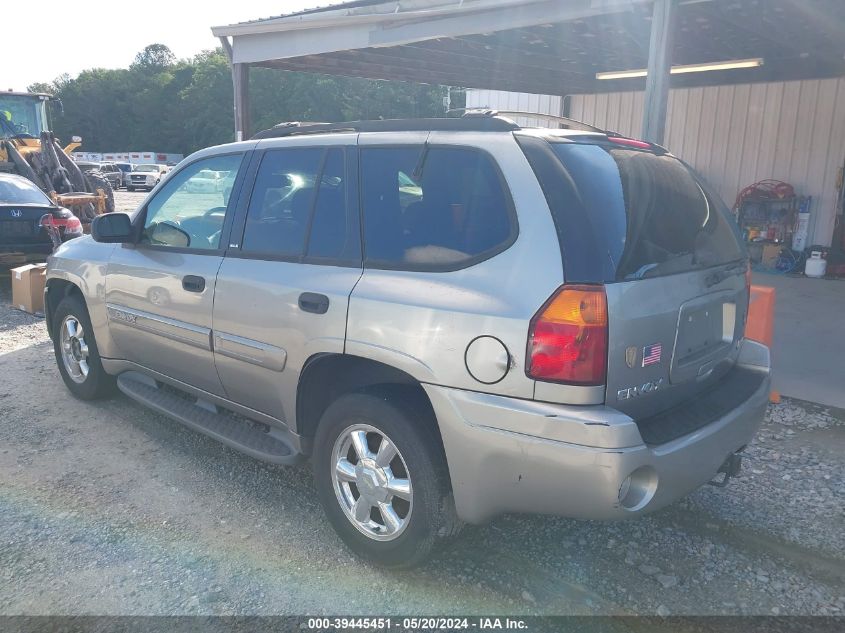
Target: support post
{"type": "Point", "coordinates": [659, 66]}
{"type": "Point", "coordinates": [240, 82]}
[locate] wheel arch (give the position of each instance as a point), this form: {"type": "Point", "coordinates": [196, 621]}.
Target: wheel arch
{"type": "Point", "coordinates": [58, 289]}
{"type": "Point", "coordinates": [326, 377]}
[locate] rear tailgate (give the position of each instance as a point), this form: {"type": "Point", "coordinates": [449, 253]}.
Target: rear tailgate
{"type": "Point", "coordinates": [672, 337]}
{"type": "Point", "coordinates": [645, 225]}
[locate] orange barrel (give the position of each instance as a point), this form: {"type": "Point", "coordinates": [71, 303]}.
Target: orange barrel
{"type": "Point", "coordinates": [761, 315]}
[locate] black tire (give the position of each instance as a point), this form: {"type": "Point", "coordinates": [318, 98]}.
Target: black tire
{"type": "Point", "coordinates": [404, 420]}
{"type": "Point", "coordinates": [97, 384]}
{"type": "Point", "coordinates": [132, 189]}
{"type": "Point", "coordinates": [96, 180]}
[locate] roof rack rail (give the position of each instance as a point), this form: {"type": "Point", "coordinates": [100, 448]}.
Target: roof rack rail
{"type": "Point", "coordinates": [574, 124]}
{"type": "Point", "coordinates": [286, 124]}
{"type": "Point", "coordinates": [487, 123]}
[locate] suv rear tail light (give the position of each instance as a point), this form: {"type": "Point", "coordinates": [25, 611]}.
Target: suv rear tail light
{"type": "Point", "coordinates": [567, 339]}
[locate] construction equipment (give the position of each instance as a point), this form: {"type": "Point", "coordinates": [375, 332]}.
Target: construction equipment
{"type": "Point", "coordinates": [30, 149]}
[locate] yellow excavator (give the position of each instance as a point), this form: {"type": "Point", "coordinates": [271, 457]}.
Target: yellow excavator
{"type": "Point", "coordinates": [28, 148]}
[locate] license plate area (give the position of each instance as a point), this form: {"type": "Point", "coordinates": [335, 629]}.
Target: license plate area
{"type": "Point", "coordinates": [17, 228]}
{"type": "Point", "coordinates": [705, 335]}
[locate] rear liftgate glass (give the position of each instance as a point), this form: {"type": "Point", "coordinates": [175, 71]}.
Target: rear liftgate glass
{"type": "Point", "coordinates": [638, 229]}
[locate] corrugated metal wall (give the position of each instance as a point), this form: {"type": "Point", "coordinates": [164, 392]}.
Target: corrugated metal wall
{"type": "Point", "coordinates": [516, 101]}
{"type": "Point", "coordinates": [736, 135]}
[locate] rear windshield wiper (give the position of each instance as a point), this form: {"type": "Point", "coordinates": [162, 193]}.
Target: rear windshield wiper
{"type": "Point", "coordinates": [719, 276]}
{"type": "Point", "coordinates": [654, 268]}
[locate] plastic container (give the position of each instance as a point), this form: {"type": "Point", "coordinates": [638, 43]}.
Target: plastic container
{"type": "Point", "coordinates": [816, 265]}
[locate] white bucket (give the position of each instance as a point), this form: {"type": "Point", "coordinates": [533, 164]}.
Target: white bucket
{"type": "Point", "coordinates": [816, 265]}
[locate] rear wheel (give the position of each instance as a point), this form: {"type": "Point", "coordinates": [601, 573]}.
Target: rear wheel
{"type": "Point", "coordinates": [382, 478]}
{"type": "Point", "coordinates": [76, 351]}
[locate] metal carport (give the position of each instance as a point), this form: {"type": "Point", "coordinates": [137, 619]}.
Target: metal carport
{"type": "Point", "coordinates": [544, 46]}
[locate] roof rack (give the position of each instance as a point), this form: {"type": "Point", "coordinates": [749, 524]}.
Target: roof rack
{"type": "Point", "coordinates": [297, 124]}
{"type": "Point", "coordinates": [486, 122]}
{"type": "Point", "coordinates": [574, 124]}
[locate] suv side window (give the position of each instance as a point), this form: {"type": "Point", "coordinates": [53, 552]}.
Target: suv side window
{"type": "Point", "coordinates": [186, 214]}
{"type": "Point", "coordinates": [335, 231]}
{"type": "Point", "coordinates": [433, 208]}
{"type": "Point", "coordinates": [299, 208]}
{"type": "Point", "coordinates": [281, 202]}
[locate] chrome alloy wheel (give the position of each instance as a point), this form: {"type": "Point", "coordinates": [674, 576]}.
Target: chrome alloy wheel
{"type": "Point", "coordinates": [74, 349]}
{"type": "Point", "coordinates": [371, 482]}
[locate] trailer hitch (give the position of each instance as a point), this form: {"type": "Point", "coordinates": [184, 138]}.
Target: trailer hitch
{"type": "Point", "coordinates": [730, 468]}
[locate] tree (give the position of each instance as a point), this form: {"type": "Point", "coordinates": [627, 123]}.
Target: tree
{"type": "Point", "coordinates": [154, 57]}
{"type": "Point", "coordinates": [166, 105]}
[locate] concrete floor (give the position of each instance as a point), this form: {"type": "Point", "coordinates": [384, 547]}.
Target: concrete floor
{"type": "Point", "coordinates": [808, 353]}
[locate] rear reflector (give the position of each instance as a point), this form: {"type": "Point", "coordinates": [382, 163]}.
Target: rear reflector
{"type": "Point", "coordinates": [567, 339]}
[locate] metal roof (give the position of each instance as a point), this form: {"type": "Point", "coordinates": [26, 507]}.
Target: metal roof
{"type": "Point", "coordinates": [544, 46]}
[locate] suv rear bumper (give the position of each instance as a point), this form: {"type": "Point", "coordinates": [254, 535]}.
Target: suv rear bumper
{"type": "Point", "coordinates": [509, 455]}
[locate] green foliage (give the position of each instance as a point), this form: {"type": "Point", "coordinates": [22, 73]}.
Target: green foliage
{"type": "Point", "coordinates": [154, 58]}
{"type": "Point", "coordinates": [163, 104]}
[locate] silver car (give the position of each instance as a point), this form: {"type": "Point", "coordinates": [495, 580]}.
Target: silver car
{"type": "Point", "coordinates": [451, 318]}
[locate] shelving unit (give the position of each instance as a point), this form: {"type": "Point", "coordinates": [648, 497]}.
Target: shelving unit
{"type": "Point", "coordinates": [770, 220]}
{"type": "Point", "coordinates": [767, 225]}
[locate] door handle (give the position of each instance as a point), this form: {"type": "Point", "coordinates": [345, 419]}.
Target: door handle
{"type": "Point", "coordinates": [313, 302]}
{"type": "Point", "coordinates": [193, 283]}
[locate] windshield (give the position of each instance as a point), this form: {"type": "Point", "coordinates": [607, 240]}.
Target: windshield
{"type": "Point", "coordinates": [647, 214]}
{"type": "Point", "coordinates": [146, 168]}
{"type": "Point", "coordinates": [20, 191]}
{"type": "Point", "coordinates": [21, 114]}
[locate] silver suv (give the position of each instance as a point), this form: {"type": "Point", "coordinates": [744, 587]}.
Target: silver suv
{"type": "Point", "coordinates": [452, 319]}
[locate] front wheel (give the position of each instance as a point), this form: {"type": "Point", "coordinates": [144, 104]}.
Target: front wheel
{"type": "Point", "coordinates": [76, 351]}
{"type": "Point", "coordinates": [382, 479]}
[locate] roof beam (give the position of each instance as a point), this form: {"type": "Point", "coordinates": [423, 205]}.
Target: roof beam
{"type": "Point", "coordinates": [397, 72]}
{"type": "Point", "coordinates": [438, 60]}
{"type": "Point", "coordinates": [257, 43]}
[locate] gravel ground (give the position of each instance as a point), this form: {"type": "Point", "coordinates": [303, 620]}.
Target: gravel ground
{"type": "Point", "coordinates": [109, 508]}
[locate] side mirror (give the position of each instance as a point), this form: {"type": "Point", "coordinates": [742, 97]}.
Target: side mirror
{"type": "Point", "coordinates": [112, 228]}
{"type": "Point", "coordinates": [167, 234]}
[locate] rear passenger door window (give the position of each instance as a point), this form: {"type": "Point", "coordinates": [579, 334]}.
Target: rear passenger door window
{"type": "Point", "coordinates": [281, 202]}
{"type": "Point", "coordinates": [334, 234]}
{"type": "Point", "coordinates": [300, 209]}
{"type": "Point", "coordinates": [433, 208]}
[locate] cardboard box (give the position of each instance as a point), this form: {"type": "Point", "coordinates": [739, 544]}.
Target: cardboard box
{"type": "Point", "coordinates": [771, 252]}
{"type": "Point", "coordinates": [28, 287]}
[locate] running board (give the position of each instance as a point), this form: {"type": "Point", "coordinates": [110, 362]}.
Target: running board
{"type": "Point", "coordinates": [237, 433]}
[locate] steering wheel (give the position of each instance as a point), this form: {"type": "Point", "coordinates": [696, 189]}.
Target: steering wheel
{"type": "Point", "coordinates": [208, 215]}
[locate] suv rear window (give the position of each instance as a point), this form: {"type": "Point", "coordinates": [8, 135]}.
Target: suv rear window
{"type": "Point", "coordinates": [625, 214]}
{"type": "Point", "coordinates": [433, 208]}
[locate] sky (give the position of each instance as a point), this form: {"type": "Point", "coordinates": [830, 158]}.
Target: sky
{"type": "Point", "coordinates": [106, 34]}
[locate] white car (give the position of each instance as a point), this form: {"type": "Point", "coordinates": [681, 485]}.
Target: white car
{"type": "Point", "coordinates": [145, 176]}
{"type": "Point", "coordinates": [206, 181]}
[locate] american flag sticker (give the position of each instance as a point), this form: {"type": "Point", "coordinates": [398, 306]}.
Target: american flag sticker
{"type": "Point", "coordinates": [651, 354]}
